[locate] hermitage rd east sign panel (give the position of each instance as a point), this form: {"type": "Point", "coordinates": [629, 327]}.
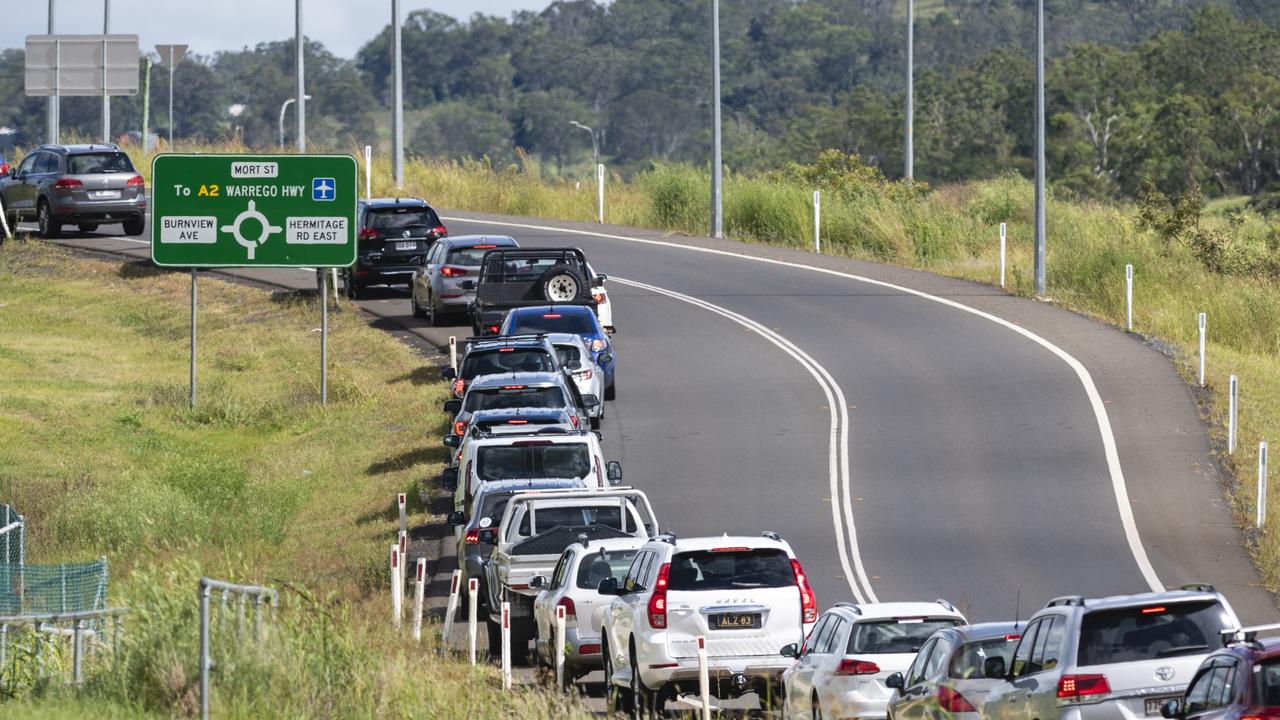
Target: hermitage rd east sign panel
{"type": "Point", "coordinates": [253, 210]}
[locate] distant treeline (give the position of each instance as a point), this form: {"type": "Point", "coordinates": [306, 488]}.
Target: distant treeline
{"type": "Point", "coordinates": [1184, 92]}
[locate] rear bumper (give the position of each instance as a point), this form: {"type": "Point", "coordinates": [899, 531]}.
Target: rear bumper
{"type": "Point", "coordinates": [759, 672]}
{"type": "Point", "coordinates": [98, 211]}
{"type": "Point", "coordinates": [384, 274]}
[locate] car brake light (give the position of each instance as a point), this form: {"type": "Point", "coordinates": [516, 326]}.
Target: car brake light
{"type": "Point", "coordinates": [1153, 610]}
{"type": "Point", "coordinates": [808, 604]}
{"type": "Point", "coordinates": [459, 385]}
{"type": "Point", "coordinates": [658, 600]}
{"type": "Point", "coordinates": [4, 168]}
{"type": "Point", "coordinates": [483, 247]}
{"type": "Point", "coordinates": [502, 350]}
{"type": "Point", "coordinates": [600, 298]}
{"type": "Point", "coordinates": [440, 230]}
{"type": "Point", "coordinates": [574, 419]}
{"type": "Point", "coordinates": [952, 701]}
{"type": "Point", "coordinates": [849, 666]}
{"type": "Point", "coordinates": [517, 422]}
{"type": "Point", "coordinates": [135, 181]}
{"type": "Point", "coordinates": [368, 234]}
{"type": "Point", "coordinates": [493, 328]}
{"type": "Point", "coordinates": [591, 649]}
{"type": "Point", "coordinates": [473, 537]}
{"type": "Point", "coordinates": [569, 610]}
{"type": "Point", "coordinates": [452, 271]}
{"type": "Point", "coordinates": [583, 374]}
{"type": "Point", "coordinates": [730, 549]}
{"type": "Point", "coordinates": [68, 183]}
{"type": "Point", "coordinates": [1011, 637]}
{"type": "Point", "coordinates": [551, 315]}
{"type": "Point", "coordinates": [1074, 686]}
{"type": "Point", "coordinates": [515, 387]}
{"type": "Point", "coordinates": [459, 427]}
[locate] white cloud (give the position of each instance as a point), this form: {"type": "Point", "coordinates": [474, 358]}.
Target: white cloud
{"type": "Point", "coordinates": [342, 25]}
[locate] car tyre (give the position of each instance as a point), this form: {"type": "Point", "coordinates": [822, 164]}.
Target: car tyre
{"type": "Point", "coordinates": [495, 641]}
{"type": "Point", "coordinates": [433, 315]}
{"type": "Point", "coordinates": [48, 225]}
{"type": "Point", "coordinates": [354, 291]}
{"type": "Point", "coordinates": [563, 283]}
{"type": "Point", "coordinates": [646, 704]}
{"type": "Point", "coordinates": [133, 227]}
{"type": "Point", "coordinates": [609, 392]}
{"type": "Point", "coordinates": [415, 307]}
{"type": "Point", "coordinates": [617, 699]}
{"type": "Point", "coordinates": [815, 708]}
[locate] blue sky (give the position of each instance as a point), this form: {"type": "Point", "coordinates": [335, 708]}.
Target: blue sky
{"type": "Point", "coordinates": [212, 25]}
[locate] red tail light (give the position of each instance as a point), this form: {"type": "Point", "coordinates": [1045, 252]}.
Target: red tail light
{"type": "Point", "coordinates": [493, 328]}
{"type": "Point", "coordinates": [440, 230]}
{"type": "Point", "coordinates": [952, 701]}
{"type": "Point", "coordinates": [483, 247]}
{"type": "Point", "coordinates": [551, 315]}
{"type": "Point", "coordinates": [368, 234]}
{"type": "Point", "coordinates": [569, 610]}
{"type": "Point", "coordinates": [849, 666]}
{"type": "Point", "coordinates": [658, 600]}
{"type": "Point", "coordinates": [1075, 686]}
{"type": "Point", "coordinates": [459, 427]}
{"type": "Point", "coordinates": [589, 649]}
{"type": "Point", "coordinates": [517, 422]}
{"type": "Point", "coordinates": [574, 419]}
{"type": "Point", "coordinates": [135, 181]}
{"type": "Point", "coordinates": [808, 603]}
{"type": "Point", "coordinates": [583, 374]}
{"type": "Point", "coordinates": [68, 183]}
{"type": "Point", "coordinates": [452, 271]}
{"type": "Point", "coordinates": [4, 168]}
{"type": "Point", "coordinates": [600, 298]}
{"type": "Point", "coordinates": [473, 537]}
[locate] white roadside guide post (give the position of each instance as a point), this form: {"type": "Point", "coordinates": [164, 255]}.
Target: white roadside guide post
{"type": "Point", "coordinates": [419, 591]}
{"type": "Point", "coordinates": [4, 221]}
{"type": "Point", "coordinates": [453, 351]}
{"type": "Point", "coordinates": [1233, 408]}
{"type": "Point", "coordinates": [1003, 254]}
{"type": "Point", "coordinates": [473, 592]}
{"type": "Point", "coordinates": [1262, 484]}
{"type": "Point", "coordinates": [1202, 324]}
{"type": "Point", "coordinates": [704, 680]}
{"type": "Point", "coordinates": [395, 587]}
{"type": "Point", "coordinates": [401, 505]}
{"type": "Point", "coordinates": [559, 646]}
{"type": "Point", "coordinates": [506, 645]}
{"type": "Point", "coordinates": [600, 193]}
{"type": "Point", "coordinates": [368, 172]}
{"type": "Point", "coordinates": [817, 222]}
{"type": "Point", "coordinates": [455, 583]}
{"type": "Point", "coordinates": [403, 544]}
{"type": "Point", "coordinates": [1128, 296]}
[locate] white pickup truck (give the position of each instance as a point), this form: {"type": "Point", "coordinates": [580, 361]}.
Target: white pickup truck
{"type": "Point", "coordinates": [535, 529]}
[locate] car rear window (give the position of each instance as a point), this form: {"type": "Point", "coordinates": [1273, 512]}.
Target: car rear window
{"type": "Point", "coordinates": [604, 564]}
{"type": "Point", "coordinates": [506, 360]}
{"type": "Point", "coordinates": [546, 518]}
{"type": "Point", "coordinates": [401, 218]}
{"type": "Point", "coordinates": [896, 636]}
{"type": "Point", "coordinates": [467, 256]}
{"type": "Point", "coordinates": [521, 269]}
{"type": "Point", "coordinates": [506, 399]}
{"type": "Point", "coordinates": [98, 163]}
{"type": "Point", "coordinates": [731, 569]}
{"type": "Point", "coordinates": [1149, 632]}
{"type": "Point", "coordinates": [568, 355]}
{"type": "Point", "coordinates": [1266, 689]}
{"type": "Point", "coordinates": [576, 323]}
{"type": "Point", "coordinates": [969, 662]}
{"type": "Point", "coordinates": [524, 462]}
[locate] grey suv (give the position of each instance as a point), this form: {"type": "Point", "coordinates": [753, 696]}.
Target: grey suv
{"type": "Point", "coordinates": [1115, 658]}
{"type": "Point", "coordinates": [82, 185]}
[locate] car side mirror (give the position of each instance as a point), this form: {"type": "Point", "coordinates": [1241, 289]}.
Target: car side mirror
{"type": "Point", "coordinates": [993, 667]}
{"type": "Point", "coordinates": [894, 681]}
{"type": "Point", "coordinates": [791, 651]}
{"type": "Point", "coordinates": [598, 280]}
{"type": "Point", "coordinates": [452, 441]}
{"type": "Point", "coordinates": [468, 285]}
{"type": "Point", "coordinates": [456, 518]}
{"type": "Point", "coordinates": [613, 469]}
{"type": "Point", "coordinates": [449, 373]}
{"type": "Point", "coordinates": [488, 536]}
{"type": "Point", "coordinates": [609, 586]}
{"type": "Point", "coordinates": [589, 401]}
{"type": "Point", "coordinates": [1171, 709]}
{"type": "Point", "coordinates": [537, 581]}
{"type": "Point", "coordinates": [605, 357]}
{"type": "Point", "coordinates": [453, 407]}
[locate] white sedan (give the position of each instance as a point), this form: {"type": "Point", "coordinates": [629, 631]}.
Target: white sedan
{"type": "Point", "coordinates": [575, 359]}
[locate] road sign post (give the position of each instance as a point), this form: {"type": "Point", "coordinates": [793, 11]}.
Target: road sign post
{"type": "Point", "coordinates": [170, 55]}
{"type": "Point", "coordinates": [255, 211]}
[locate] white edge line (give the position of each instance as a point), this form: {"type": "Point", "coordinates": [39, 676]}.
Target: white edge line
{"type": "Point", "coordinates": [1118, 485]}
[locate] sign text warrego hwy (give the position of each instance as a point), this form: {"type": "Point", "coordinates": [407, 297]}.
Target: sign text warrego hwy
{"type": "Point", "coordinates": [253, 210]}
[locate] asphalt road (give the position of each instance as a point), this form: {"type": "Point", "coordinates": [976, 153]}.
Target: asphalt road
{"type": "Point", "coordinates": [975, 467]}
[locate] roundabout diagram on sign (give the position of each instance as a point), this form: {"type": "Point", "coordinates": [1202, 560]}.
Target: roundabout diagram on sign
{"type": "Point", "coordinates": [251, 214]}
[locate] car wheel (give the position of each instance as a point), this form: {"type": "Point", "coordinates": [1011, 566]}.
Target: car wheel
{"type": "Point", "coordinates": [48, 225]}
{"type": "Point", "coordinates": [609, 392]}
{"type": "Point", "coordinates": [87, 227]}
{"type": "Point", "coordinates": [617, 699]}
{"type": "Point", "coordinates": [433, 315]}
{"type": "Point", "coordinates": [414, 306]}
{"type": "Point", "coordinates": [495, 641]}
{"type": "Point", "coordinates": [354, 291]}
{"type": "Point", "coordinates": [815, 708]}
{"type": "Point", "coordinates": [563, 283]}
{"type": "Point", "coordinates": [134, 227]}
{"type": "Point", "coordinates": [646, 704]}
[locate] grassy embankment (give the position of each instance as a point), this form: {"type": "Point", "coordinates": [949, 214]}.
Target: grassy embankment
{"type": "Point", "coordinates": [256, 484]}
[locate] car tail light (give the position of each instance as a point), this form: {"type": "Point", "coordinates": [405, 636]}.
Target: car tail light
{"type": "Point", "coordinates": [1012, 637]}
{"type": "Point", "coordinates": [4, 168]}
{"type": "Point", "coordinates": [1153, 610]}
{"type": "Point", "coordinates": [730, 549]}
{"type": "Point", "coordinates": [368, 234]}
{"type": "Point", "coordinates": [1267, 713]}
{"type": "Point", "coordinates": [597, 345]}
{"type": "Point", "coordinates": [552, 315]}
{"type": "Point", "coordinates": [1075, 686]}
{"type": "Point", "coordinates": [600, 298]}
{"type": "Point", "coordinates": [658, 600]}
{"type": "Point", "coordinates": [583, 374]}
{"type": "Point", "coordinates": [952, 701]}
{"type": "Point", "coordinates": [591, 649]}
{"type": "Point", "coordinates": [517, 422]}
{"type": "Point", "coordinates": [569, 610]}
{"type": "Point", "coordinates": [135, 181]}
{"type": "Point", "coordinates": [493, 328]}
{"type": "Point", "coordinates": [483, 247]}
{"type": "Point", "coordinates": [459, 427]}
{"type": "Point", "coordinates": [459, 385]}
{"type": "Point", "coordinates": [440, 231]}
{"type": "Point", "coordinates": [452, 271]}
{"type": "Point", "coordinates": [68, 183]}
{"type": "Point", "coordinates": [502, 350]}
{"type": "Point", "coordinates": [849, 666]}
{"type": "Point", "coordinates": [574, 419]}
{"type": "Point", "coordinates": [473, 537]}
{"type": "Point", "coordinates": [808, 604]}
{"type": "Point", "coordinates": [515, 387]}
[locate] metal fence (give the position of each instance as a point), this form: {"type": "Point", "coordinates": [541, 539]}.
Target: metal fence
{"type": "Point", "coordinates": [46, 629]}
{"type": "Point", "coordinates": [13, 536]}
{"type": "Point", "coordinates": [264, 600]}
{"type": "Point", "coordinates": [53, 589]}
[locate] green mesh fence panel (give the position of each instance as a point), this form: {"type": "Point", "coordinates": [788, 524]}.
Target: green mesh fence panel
{"type": "Point", "coordinates": [13, 530]}
{"type": "Point", "coordinates": [39, 589]}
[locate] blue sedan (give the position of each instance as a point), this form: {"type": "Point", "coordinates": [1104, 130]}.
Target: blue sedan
{"type": "Point", "coordinates": [577, 320]}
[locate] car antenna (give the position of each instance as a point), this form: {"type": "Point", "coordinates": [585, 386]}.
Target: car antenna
{"type": "Point", "coordinates": [1017, 610]}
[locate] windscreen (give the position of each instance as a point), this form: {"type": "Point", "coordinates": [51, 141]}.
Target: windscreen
{"type": "Point", "coordinates": [731, 569]}
{"type": "Point", "coordinates": [969, 662]}
{"type": "Point", "coordinates": [504, 399]}
{"type": "Point", "coordinates": [549, 518]}
{"type": "Point", "coordinates": [526, 462]}
{"type": "Point", "coordinates": [575, 323]}
{"type": "Point", "coordinates": [522, 269]}
{"type": "Point", "coordinates": [894, 636]}
{"type": "Point", "coordinates": [98, 163]}
{"type": "Point", "coordinates": [1155, 631]}
{"type": "Point", "coordinates": [602, 565]}
{"type": "Point", "coordinates": [389, 219]}
{"type": "Point", "coordinates": [467, 257]}
{"type": "Point", "coordinates": [506, 360]}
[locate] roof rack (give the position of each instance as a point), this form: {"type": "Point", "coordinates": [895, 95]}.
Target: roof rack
{"type": "Point", "coordinates": [772, 535]}
{"type": "Point", "coordinates": [1198, 587]}
{"type": "Point", "coordinates": [1066, 600]}
{"type": "Point", "coordinates": [1245, 635]}
{"type": "Point", "coordinates": [946, 604]}
{"type": "Point", "coordinates": [666, 537]}
{"type": "Point", "coordinates": [850, 606]}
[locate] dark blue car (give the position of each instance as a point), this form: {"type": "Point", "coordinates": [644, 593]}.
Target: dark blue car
{"type": "Point", "coordinates": [577, 320]}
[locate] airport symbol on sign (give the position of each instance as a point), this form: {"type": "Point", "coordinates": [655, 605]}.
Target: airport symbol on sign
{"type": "Point", "coordinates": [323, 189]}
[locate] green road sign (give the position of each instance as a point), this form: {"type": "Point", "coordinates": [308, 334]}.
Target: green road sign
{"type": "Point", "coordinates": [253, 210]}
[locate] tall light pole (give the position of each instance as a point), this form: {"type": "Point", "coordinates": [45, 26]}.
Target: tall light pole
{"type": "Point", "coordinates": [285, 106]}
{"type": "Point", "coordinates": [53, 99]}
{"type": "Point", "coordinates": [717, 209]}
{"type": "Point", "coordinates": [1040, 239]}
{"type": "Point", "coordinates": [299, 46]}
{"type": "Point", "coordinates": [595, 143]}
{"type": "Point", "coordinates": [911, 80]}
{"type": "Point", "coordinates": [106, 99]}
{"type": "Point", "coordinates": [397, 99]}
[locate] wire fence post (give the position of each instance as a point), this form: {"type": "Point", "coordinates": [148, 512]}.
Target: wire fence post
{"type": "Point", "coordinates": [1233, 408]}
{"type": "Point", "coordinates": [817, 222]}
{"type": "Point", "coordinates": [1128, 296]}
{"type": "Point", "coordinates": [1262, 485]}
{"type": "Point", "coordinates": [1202, 321]}
{"type": "Point", "coordinates": [204, 650]}
{"type": "Point", "coordinates": [1002, 253]}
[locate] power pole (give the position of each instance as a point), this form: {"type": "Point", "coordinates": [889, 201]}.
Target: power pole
{"type": "Point", "coordinates": [717, 207]}
{"type": "Point", "coordinates": [1040, 239]}
{"type": "Point", "coordinates": [397, 99]}
{"type": "Point", "coordinates": [299, 43]}
{"type": "Point", "coordinates": [106, 99]}
{"type": "Point", "coordinates": [911, 31]}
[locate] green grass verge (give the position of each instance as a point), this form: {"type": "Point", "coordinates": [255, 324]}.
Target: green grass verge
{"type": "Point", "coordinates": [257, 483]}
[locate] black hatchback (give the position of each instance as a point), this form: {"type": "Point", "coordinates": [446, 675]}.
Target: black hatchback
{"type": "Point", "coordinates": [394, 235]}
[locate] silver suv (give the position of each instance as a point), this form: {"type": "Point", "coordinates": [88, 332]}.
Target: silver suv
{"type": "Point", "coordinates": [82, 185]}
{"type": "Point", "coordinates": [1115, 658]}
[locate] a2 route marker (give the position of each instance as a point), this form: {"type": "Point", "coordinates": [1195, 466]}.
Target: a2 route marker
{"type": "Point", "coordinates": [211, 211]}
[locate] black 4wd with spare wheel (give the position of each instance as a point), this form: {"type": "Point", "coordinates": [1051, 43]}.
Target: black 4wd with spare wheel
{"type": "Point", "coordinates": [516, 277]}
